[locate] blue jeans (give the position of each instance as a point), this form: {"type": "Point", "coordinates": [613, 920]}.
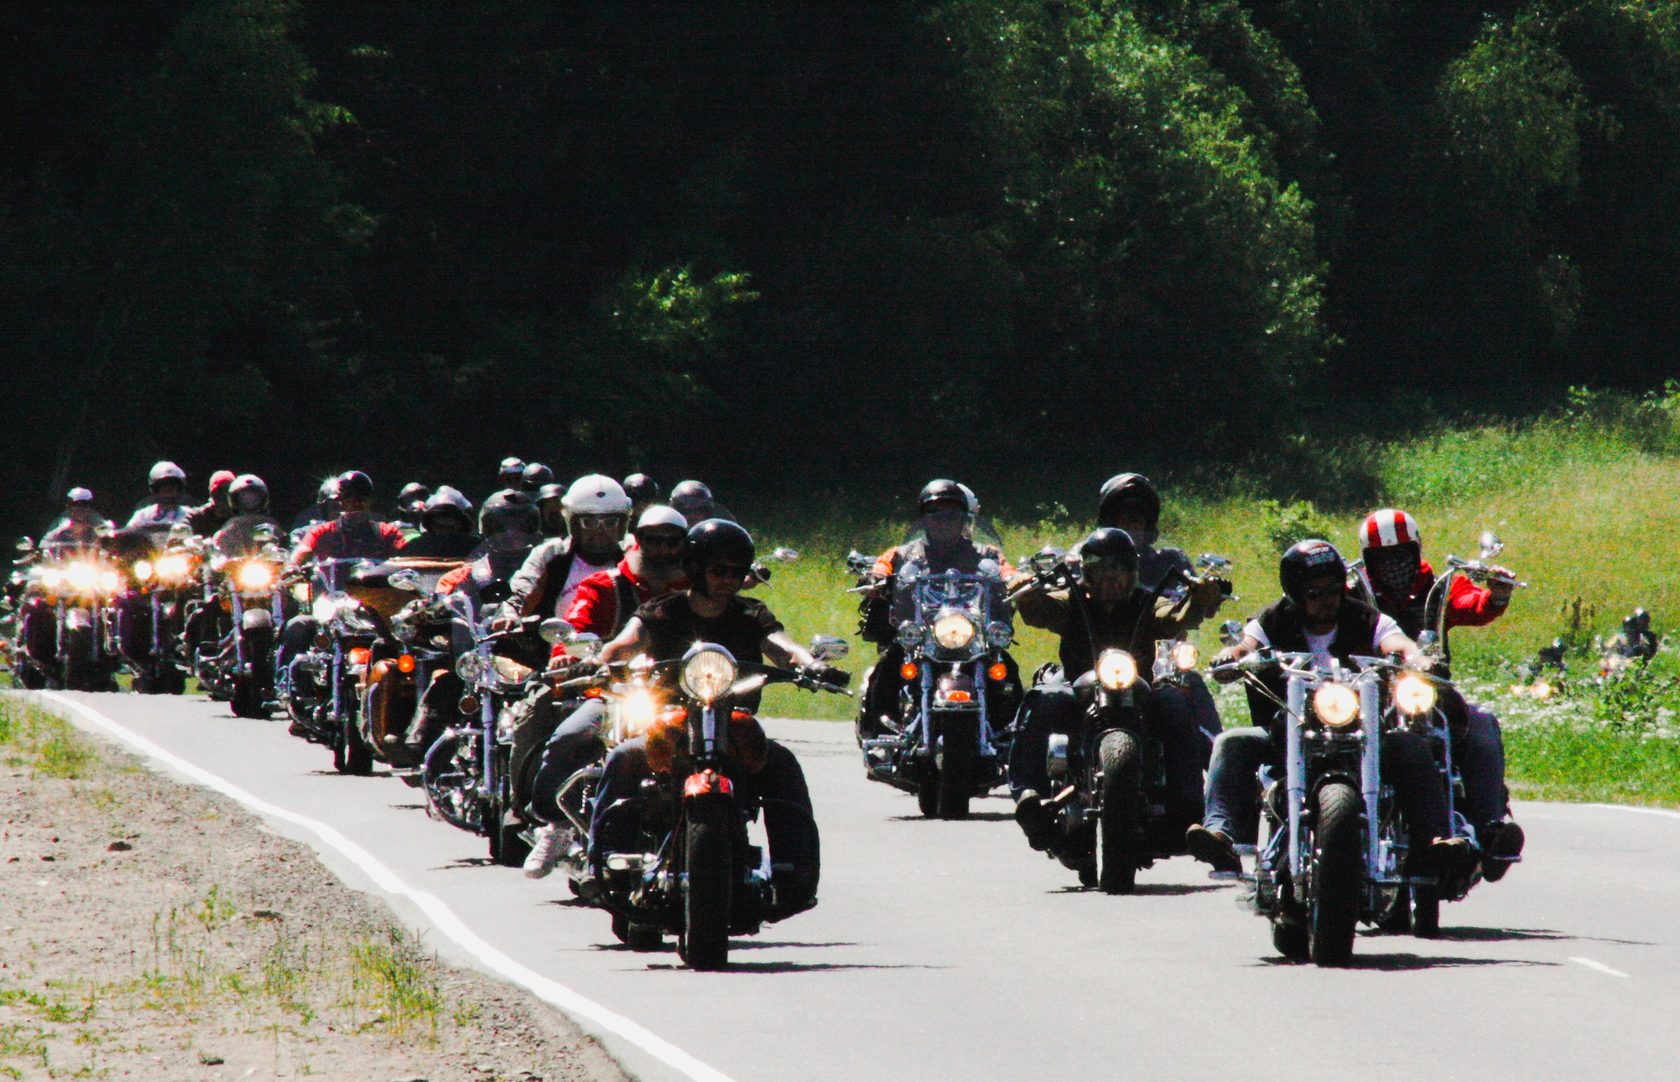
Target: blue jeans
{"type": "Point", "coordinates": [1481, 763]}
{"type": "Point", "coordinates": [573, 744]}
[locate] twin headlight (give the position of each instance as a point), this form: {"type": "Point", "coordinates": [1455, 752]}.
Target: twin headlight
{"type": "Point", "coordinates": [255, 576]}
{"type": "Point", "coordinates": [1116, 670]}
{"type": "Point", "coordinates": [707, 672]}
{"type": "Point", "coordinates": [1336, 705]}
{"type": "Point", "coordinates": [1414, 696]}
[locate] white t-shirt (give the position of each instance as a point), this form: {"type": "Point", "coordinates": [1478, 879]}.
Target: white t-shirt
{"type": "Point", "coordinates": [1320, 644]}
{"type": "Point", "coordinates": [581, 570]}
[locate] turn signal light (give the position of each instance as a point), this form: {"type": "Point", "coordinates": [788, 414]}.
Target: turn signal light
{"type": "Point", "coordinates": [592, 693]}
{"type": "Point", "coordinates": [908, 670]}
{"type": "Point", "coordinates": [405, 663]}
{"type": "Point", "coordinates": [359, 655]}
{"type": "Point", "coordinates": [998, 673]}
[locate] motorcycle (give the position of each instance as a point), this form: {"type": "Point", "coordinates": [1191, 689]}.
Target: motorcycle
{"type": "Point", "coordinates": [954, 629]}
{"type": "Point", "coordinates": [415, 645]}
{"type": "Point", "coordinates": [1337, 846]}
{"type": "Point", "coordinates": [247, 598]}
{"type": "Point", "coordinates": [160, 572]}
{"type": "Point", "coordinates": [64, 616]}
{"type": "Point", "coordinates": [694, 872]}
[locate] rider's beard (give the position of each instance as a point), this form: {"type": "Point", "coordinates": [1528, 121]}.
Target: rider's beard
{"type": "Point", "coordinates": [661, 568]}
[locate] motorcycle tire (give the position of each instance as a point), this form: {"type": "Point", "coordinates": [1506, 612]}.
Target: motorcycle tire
{"type": "Point", "coordinates": [507, 848]}
{"type": "Point", "coordinates": [959, 749]}
{"type": "Point", "coordinates": [81, 672]}
{"type": "Point", "coordinates": [247, 698]}
{"type": "Point", "coordinates": [350, 754]}
{"type": "Point", "coordinates": [1338, 874]}
{"type": "Point", "coordinates": [708, 869]}
{"type": "Point", "coordinates": [169, 681]}
{"type": "Point", "coordinates": [927, 793]}
{"type": "Point", "coordinates": [143, 684]}
{"type": "Point", "coordinates": [1426, 912]}
{"type": "Point", "coordinates": [637, 935]}
{"type": "Point", "coordinates": [1289, 938]}
{"type": "Point", "coordinates": [1121, 826]}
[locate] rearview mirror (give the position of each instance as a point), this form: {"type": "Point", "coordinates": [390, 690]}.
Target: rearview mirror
{"type": "Point", "coordinates": [783, 555]}
{"type": "Point", "coordinates": [404, 579]}
{"type": "Point", "coordinates": [555, 631]}
{"type": "Point", "coordinates": [829, 648]}
{"type": "Point", "coordinates": [1490, 544]}
{"type": "Point", "coordinates": [858, 564]}
{"type": "Point", "coordinates": [25, 544]}
{"type": "Point", "coordinates": [1231, 632]}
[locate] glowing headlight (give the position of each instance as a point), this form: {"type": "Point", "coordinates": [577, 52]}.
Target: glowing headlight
{"type": "Point", "coordinates": [953, 630]}
{"type": "Point", "coordinates": [509, 670]}
{"type": "Point", "coordinates": [109, 582]}
{"type": "Point", "coordinates": [172, 567]}
{"type": "Point", "coordinates": [1185, 656]}
{"type": "Point", "coordinates": [635, 711]}
{"type": "Point", "coordinates": [1414, 695]}
{"type": "Point", "coordinates": [707, 672]}
{"type": "Point", "coordinates": [51, 578]}
{"type": "Point", "coordinates": [82, 577]}
{"type": "Point", "coordinates": [142, 570]}
{"type": "Point", "coordinates": [300, 592]}
{"type": "Point", "coordinates": [1336, 705]}
{"type": "Point", "coordinates": [324, 608]}
{"type": "Point", "coordinates": [1116, 670]}
{"type": "Point", "coordinates": [255, 576]}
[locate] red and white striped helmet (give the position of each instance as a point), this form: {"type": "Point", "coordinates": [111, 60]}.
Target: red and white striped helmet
{"type": "Point", "coordinates": [1387, 528]}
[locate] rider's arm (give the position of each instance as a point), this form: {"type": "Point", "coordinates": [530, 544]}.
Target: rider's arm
{"type": "Point", "coordinates": [783, 651]}
{"type": "Point", "coordinates": [1048, 609]}
{"type": "Point", "coordinates": [633, 640]}
{"type": "Point", "coordinates": [1391, 640]}
{"type": "Point", "coordinates": [1469, 605]}
{"type": "Point", "coordinates": [526, 585]}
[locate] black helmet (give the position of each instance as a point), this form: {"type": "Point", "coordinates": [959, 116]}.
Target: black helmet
{"type": "Point", "coordinates": [941, 490]}
{"type": "Point", "coordinates": [447, 501]}
{"type": "Point", "coordinates": [412, 499]}
{"type": "Point", "coordinates": [509, 512]}
{"type": "Point", "coordinates": [1109, 547]}
{"type": "Point", "coordinates": [643, 489]}
{"type": "Point", "coordinates": [354, 483]}
{"type": "Point", "coordinates": [716, 540]}
{"type": "Point", "coordinates": [1308, 560]}
{"type": "Point", "coordinates": [248, 494]}
{"type": "Point", "coordinates": [535, 476]}
{"type": "Point", "coordinates": [692, 498]}
{"type": "Point", "coordinates": [1128, 490]}
{"type": "Point", "coordinates": [553, 492]}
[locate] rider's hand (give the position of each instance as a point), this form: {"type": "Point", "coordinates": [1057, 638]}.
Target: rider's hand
{"type": "Point", "coordinates": [504, 622]}
{"type": "Point", "coordinates": [829, 674]}
{"type": "Point", "coordinates": [1225, 657]}
{"type": "Point", "coordinates": [877, 590]}
{"type": "Point", "coordinates": [1501, 584]}
{"type": "Point", "coordinates": [1207, 595]}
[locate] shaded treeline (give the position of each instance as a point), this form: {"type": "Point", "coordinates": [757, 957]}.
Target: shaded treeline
{"type": "Point", "coordinates": [803, 244]}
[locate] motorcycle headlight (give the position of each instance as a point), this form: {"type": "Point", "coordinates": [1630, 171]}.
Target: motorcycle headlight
{"type": "Point", "coordinates": [254, 576]}
{"type": "Point", "coordinates": [1336, 705]}
{"type": "Point", "coordinates": [1413, 695]}
{"type": "Point", "coordinates": [707, 672]}
{"type": "Point", "coordinates": [509, 670]}
{"type": "Point", "coordinates": [953, 630]}
{"type": "Point", "coordinates": [324, 608]}
{"type": "Point", "coordinates": [109, 582]}
{"type": "Point", "coordinates": [1116, 670]}
{"type": "Point", "coordinates": [999, 635]}
{"type": "Point", "coordinates": [911, 634]}
{"type": "Point", "coordinates": [142, 570]}
{"type": "Point", "coordinates": [52, 578]}
{"type": "Point", "coordinates": [82, 577]}
{"type": "Point", "coordinates": [172, 567]}
{"type": "Point", "coordinates": [1185, 656]}
{"type": "Point", "coordinates": [467, 667]}
{"type": "Point", "coordinates": [635, 710]}
{"type": "Point", "coordinates": [300, 592]}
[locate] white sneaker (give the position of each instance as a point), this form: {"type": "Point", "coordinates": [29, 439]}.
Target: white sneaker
{"type": "Point", "coordinates": [545, 850]}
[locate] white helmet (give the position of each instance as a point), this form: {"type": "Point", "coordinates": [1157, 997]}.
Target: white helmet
{"type": "Point", "coordinates": [595, 494]}
{"type": "Point", "coordinates": [659, 515]}
{"type": "Point", "coordinates": [165, 471]}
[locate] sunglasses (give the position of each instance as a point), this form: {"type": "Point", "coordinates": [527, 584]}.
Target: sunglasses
{"type": "Point", "coordinates": [660, 541]}
{"type": "Point", "coordinates": [1322, 593]}
{"type": "Point", "coordinates": [597, 522]}
{"type": "Point", "coordinates": [727, 571]}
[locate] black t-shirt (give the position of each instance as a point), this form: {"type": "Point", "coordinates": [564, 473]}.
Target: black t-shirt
{"type": "Point", "coordinates": [673, 627]}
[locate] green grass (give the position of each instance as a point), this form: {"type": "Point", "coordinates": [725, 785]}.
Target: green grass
{"type": "Point", "coordinates": [42, 743]}
{"type": "Point", "coordinates": [1587, 500]}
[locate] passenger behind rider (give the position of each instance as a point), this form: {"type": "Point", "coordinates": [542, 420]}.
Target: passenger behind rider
{"type": "Point", "coordinates": [168, 485]}
{"type": "Point", "coordinates": [605, 602]}
{"type": "Point", "coordinates": [1111, 610]}
{"type": "Point", "coordinates": [716, 558]}
{"type": "Point", "coordinates": [697, 504]}
{"type": "Point", "coordinates": [947, 513]}
{"type": "Point", "coordinates": [553, 515]}
{"type": "Point", "coordinates": [597, 514]}
{"type": "Point", "coordinates": [1317, 615]}
{"type": "Point", "coordinates": [209, 516]}
{"type": "Point", "coordinates": [1398, 580]}
{"type": "Point", "coordinates": [446, 527]}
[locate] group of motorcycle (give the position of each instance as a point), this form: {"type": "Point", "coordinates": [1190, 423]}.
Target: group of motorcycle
{"type": "Point", "coordinates": [1332, 846]}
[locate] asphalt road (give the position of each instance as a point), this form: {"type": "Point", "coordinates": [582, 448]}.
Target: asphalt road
{"type": "Point", "coordinates": [951, 951]}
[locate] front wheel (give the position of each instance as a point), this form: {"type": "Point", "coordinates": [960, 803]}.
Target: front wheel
{"type": "Point", "coordinates": [247, 699]}
{"type": "Point", "coordinates": [351, 755]}
{"type": "Point", "coordinates": [1338, 874]}
{"type": "Point", "coordinates": [1121, 826]}
{"type": "Point", "coordinates": [959, 747]}
{"type": "Point", "coordinates": [708, 866]}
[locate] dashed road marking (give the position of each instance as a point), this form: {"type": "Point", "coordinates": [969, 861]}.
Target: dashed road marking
{"type": "Point", "coordinates": [1599, 966]}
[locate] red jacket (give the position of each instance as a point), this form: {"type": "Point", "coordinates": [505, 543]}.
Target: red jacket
{"type": "Point", "coordinates": [375, 540]}
{"type": "Point", "coordinates": [1468, 605]}
{"type": "Point", "coordinates": [596, 606]}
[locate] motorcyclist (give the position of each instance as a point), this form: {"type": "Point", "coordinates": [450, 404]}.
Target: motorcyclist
{"type": "Point", "coordinates": [446, 527]}
{"type": "Point", "coordinates": [597, 513]}
{"type": "Point", "coordinates": [168, 484]}
{"type": "Point", "coordinates": [81, 525]}
{"type": "Point", "coordinates": [1398, 581]}
{"type": "Point", "coordinates": [604, 603]}
{"type": "Point", "coordinates": [549, 500]}
{"type": "Point", "coordinates": [947, 513]}
{"type": "Point", "coordinates": [643, 492]}
{"type": "Point", "coordinates": [244, 534]}
{"type": "Point", "coordinates": [533, 477]}
{"type": "Point", "coordinates": [1110, 610]}
{"type": "Point", "coordinates": [208, 517]}
{"type": "Point", "coordinates": [411, 504]}
{"type": "Point", "coordinates": [324, 509]}
{"type": "Point", "coordinates": [694, 499]}
{"type": "Point", "coordinates": [1317, 614]}
{"type": "Point", "coordinates": [717, 555]}
{"type": "Point", "coordinates": [1130, 502]}
{"type": "Point", "coordinates": [511, 473]}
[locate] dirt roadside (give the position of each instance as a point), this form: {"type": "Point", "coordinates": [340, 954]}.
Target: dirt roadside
{"type": "Point", "coordinates": [149, 930]}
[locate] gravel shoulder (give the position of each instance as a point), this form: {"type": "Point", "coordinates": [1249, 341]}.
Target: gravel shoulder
{"type": "Point", "coordinates": [151, 930]}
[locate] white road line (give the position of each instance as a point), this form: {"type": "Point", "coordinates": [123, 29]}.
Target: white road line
{"type": "Point", "coordinates": [441, 916]}
{"type": "Point", "coordinates": [1637, 811]}
{"type": "Point", "coordinates": [1600, 966]}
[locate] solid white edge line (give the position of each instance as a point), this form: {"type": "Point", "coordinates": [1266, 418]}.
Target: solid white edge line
{"type": "Point", "coordinates": [1636, 810]}
{"type": "Point", "coordinates": [441, 916]}
{"type": "Point", "coordinates": [1599, 966]}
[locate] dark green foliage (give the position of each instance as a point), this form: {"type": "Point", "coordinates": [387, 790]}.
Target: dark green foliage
{"type": "Point", "coordinates": [775, 241]}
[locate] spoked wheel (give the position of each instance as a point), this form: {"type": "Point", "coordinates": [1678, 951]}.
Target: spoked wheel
{"type": "Point", "coordinates": [1337, 875]}
{"type": "Point", "coordinates": [708, 864]}
{"type": "Point", "coordinates": [1120, 829]}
